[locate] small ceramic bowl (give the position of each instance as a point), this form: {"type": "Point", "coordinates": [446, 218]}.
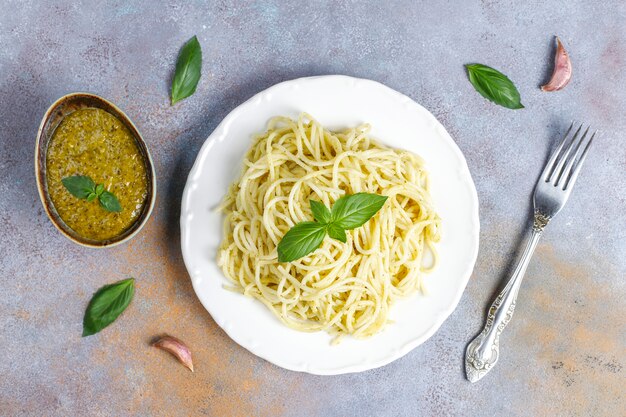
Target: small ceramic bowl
{"type": "Point", "coordinates": [57, 111]}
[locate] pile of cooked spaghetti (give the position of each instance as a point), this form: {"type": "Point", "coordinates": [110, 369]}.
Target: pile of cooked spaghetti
{"type": "Point", "coordinates": [343, 288]}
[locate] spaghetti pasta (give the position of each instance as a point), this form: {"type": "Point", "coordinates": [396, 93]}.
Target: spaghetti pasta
{"type": "Point", "coordinates": [342, 288]}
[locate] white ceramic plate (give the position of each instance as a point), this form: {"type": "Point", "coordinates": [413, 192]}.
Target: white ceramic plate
{"type": "Point", "coordinates": [336, 102]}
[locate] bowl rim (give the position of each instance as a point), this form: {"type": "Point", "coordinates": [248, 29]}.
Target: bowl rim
{"type": "Point", "coordinates": [54, 217]}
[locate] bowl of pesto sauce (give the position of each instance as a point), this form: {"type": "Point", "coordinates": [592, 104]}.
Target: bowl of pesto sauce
{"type": "Point", "coordinates": [94, 173]}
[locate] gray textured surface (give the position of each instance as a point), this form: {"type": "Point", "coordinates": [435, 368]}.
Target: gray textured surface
{"type": "Point", "coordinates": [564, 352]}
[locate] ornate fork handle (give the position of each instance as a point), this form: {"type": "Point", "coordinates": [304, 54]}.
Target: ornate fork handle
{"type": "Point", "coordinates": [482, 353]}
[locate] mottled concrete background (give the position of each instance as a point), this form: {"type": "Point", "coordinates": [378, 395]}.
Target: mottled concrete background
{"type": "Point", "coordinates": [564, 352]}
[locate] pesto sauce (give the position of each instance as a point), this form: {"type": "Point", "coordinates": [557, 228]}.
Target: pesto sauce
{"type": "Point", "coordinates": [95, 143]}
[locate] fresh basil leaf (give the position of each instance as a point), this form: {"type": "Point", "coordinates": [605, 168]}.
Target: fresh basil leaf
{"type": "Point", "coordinates": [300, 240]}
{"type": "Point", "coordinates": [320, 212]}
{"type": "Point", "coordinates": [188, 69]}
{"type": "Point", "coordinates": [494, 86]}
{"type": "Point", "coordinates": [109, 202]}
{"type": "Point", "coordinates": [337, 232]}
{"type": "Point", "coordinates": [107, 304]}
{"type": "Point", "coordinates": [352, 211]}
{"type": "Point", "coordinates": [91, 197]}
{"type": "Point", "coordinates": [99, 189]}
{"type": "Point", "coordinates": [79, 186]}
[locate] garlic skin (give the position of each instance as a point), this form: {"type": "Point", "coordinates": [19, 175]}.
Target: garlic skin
{"type": "Point", "coordinates": [562, 72]}
{"type": "Point", "coordinates": [177, 348]}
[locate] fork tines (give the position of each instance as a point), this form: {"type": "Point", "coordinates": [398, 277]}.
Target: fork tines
{"type": "Point", "coordinates": [565, 163]}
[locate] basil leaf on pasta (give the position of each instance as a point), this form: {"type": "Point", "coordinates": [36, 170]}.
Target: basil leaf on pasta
{"type": "Point", "coordinates": [352, 211]}
{"type": "Point", "coordinates": [320, 212]}
{"type": "Point", "coordinates": [300, 240]}
{"type": "Point", "coordinates": [337, 232]}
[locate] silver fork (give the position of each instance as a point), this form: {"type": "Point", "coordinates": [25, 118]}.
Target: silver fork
{"type": "Point", "coordinates": [551, 193]}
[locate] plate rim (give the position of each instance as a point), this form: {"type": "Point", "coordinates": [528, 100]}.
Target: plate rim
{"type": "Point", "coordinates": [443, 314]}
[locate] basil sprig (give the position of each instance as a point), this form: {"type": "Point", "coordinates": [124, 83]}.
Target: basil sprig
{"type": "Point", "coordinates": [107, 304]}
{"type": "Point", "coordinates": [188, 68]}
{"type": "Point", "coordinates": [349, 212]}
{"type": "Point", "coordinates": [494, 86]}
{"type": "Point", "coordinates": [85, 188]}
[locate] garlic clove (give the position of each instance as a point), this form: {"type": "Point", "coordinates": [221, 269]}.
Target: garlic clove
{"type": "Point", "coordinates": [562, 69]}
{"type": "Point", "coordinates": [177, 348]}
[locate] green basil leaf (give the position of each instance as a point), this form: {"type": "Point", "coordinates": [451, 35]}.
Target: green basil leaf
{"type": "Point", "coordinates": [91, 197]}
{"type": "Point", "coordinates": [79, 185]}
{"type": "Point", "coordinates": [337, 232]}
{"type": "Point", "coordinates": [99, 189]}
{"type": "Point", "coordinates": [300, 240]}
{"type": "Point", "coordinates": [494, 86]}
{"type": "Point", "coordinates": [320, 212]}
{"type": "Point", "coordinates": [352, 211]}
{"type": "Point", "coordinates": [188, 69]}
{"type": "Point", "coordinates": [106, 305]}
{"type": "Point", "coordinates": [109, 202]}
